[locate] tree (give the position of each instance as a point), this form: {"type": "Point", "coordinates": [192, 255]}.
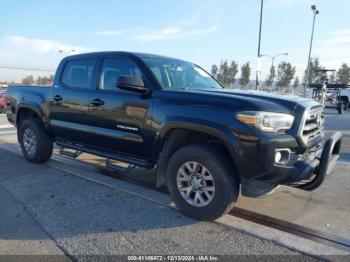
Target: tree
{"type": "Point", "coordinates": [271, 76]}
{"type": "Point", "coordinates": [28, 80]}
{"type": "Point", "coordinates": [44, 80]}
{"type": "Point", "coordinates": [51, 78]}
{"type": "Point", "coordinates": [214, 70]}
{"type": "Point", "coordinates": [245, 74]}
{"type": "Point", "coordinates": [332, 77]}
{"type": "Point", "coordinates": [232, 72]}
{"type": "Point", "coordinates": [285, 74]}
{"type": "Point", "coordinates": [296, 82]}
{"type": "Point", "coordinates": [343, 74]}
{"type": "Point", "coordinates": [225, 74]}
{"type": "Point", "coordinates": [314, 77]}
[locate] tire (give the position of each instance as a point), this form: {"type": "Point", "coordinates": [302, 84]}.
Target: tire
{"type": "Point", "coordinates": [345, 100]}
{"type": "Point", "coordinates": [225, 181]}
{"type": "Point", "coordinates": [340, 108]}
{"type": "Point", "coordinates": [44, 144]}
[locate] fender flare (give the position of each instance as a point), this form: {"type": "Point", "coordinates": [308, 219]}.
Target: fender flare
{"type": "Point", "coordinates": [33, 107]}
{"type": "Point", "coordinates": [221, 132]}
{"type": "Point", "coordinates": [224, 134]}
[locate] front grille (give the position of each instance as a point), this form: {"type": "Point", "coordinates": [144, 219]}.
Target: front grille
{"type": "Point", "coordinates": [313, 126]}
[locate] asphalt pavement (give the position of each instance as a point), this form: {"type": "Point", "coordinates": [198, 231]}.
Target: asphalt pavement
{"type": "Point", "coordinates": [59, 209]}
{"type": "Point", "coordinates": [48, 211]}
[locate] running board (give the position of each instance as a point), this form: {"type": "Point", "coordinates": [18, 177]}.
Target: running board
{"type": "Point", "coordinates": [118, 168]}
{"type": "Point", "coordinates": [75, 154]}
{"type": "Point", "coordinates": [113, 156]}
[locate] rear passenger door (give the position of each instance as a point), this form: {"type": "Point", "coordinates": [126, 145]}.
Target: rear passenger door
{"type": "Point", "coordinates": [120, 119]}
{"type": "Point", "coordinates": [69, 100]}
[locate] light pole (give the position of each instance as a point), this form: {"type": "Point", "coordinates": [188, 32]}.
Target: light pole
{"type": "Point", "coordinates": [273, 57]}
{"type": "Point", "coordinates": [258, 64]}
{"type": "Point", "coordinates": [315, 12]}
{"type": "Point", "coordinates": [273, 61]}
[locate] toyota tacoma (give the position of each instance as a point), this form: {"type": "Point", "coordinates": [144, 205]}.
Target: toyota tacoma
{"type": "Point", "coordinates": [207, 144]}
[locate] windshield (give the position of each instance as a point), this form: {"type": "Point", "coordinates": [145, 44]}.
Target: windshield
{"type": "Point", "coordinates": [174, 74]}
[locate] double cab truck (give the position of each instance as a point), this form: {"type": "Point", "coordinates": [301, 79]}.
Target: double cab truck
{"type": "Point", "coordinates": [207, 144]}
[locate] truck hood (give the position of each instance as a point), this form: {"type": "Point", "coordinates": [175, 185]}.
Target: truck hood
{"type": "Point", "coordinates": [263, 100]}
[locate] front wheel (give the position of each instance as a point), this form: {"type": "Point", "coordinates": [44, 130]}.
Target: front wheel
{"type": "Point", "coordinates": [35, 143]}
{"type": "Point", "coordinates": [202, 182]}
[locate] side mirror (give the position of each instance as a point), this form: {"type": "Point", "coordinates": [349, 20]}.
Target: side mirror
{"type": "Point", "coordinates": [131, 83]}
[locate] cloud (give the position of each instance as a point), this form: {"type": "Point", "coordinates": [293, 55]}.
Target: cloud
{"type": "Point", "coordinates": [280, 3]}
{"type": "Point", "coordinates": [6, 54]}
{"type": "Point", "coordinates": [148, 35]}
{"type": "Point", "coordinates": [43, 46]}
{"type": "Point", "coordinates": [173, 33]}
{"type": "Point", "coordinates": [339, 37]}
{"type": "Point", "coordinates": [109, 33]}
{"type": "Point", "coordinates": [331, 50]}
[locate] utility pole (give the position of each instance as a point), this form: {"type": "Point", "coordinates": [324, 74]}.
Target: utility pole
{"type": "Point", "coordinates": [258, 64]}
{"type": "Point", "coordinates": [315, 12]}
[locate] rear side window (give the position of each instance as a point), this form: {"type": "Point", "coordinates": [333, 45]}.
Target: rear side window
{"type": "Point", "coordinates": [78, 73]}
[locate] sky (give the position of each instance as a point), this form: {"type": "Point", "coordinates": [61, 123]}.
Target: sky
{"type": "Point", "coordinates": [202, 31]}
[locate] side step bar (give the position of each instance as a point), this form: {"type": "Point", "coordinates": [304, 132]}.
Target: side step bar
{"type": "Point", "coordinates": [75, 154]}
{"type": "Point", "coordinates": [118, 168]}
{"type": "Point", "coordinates": [111, 156]}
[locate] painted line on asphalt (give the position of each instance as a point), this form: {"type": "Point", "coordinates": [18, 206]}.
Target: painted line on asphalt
{"type": "Point", "coordinates": [6, 126]}
{"type": "Point", "coordinates": [8, 131]}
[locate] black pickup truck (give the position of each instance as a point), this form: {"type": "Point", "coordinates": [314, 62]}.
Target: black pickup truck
{"type": "Point", "coordinates": [206, 143]}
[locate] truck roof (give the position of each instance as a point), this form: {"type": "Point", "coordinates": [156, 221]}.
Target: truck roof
{"type": "Point", "coordinates": [122, 53]}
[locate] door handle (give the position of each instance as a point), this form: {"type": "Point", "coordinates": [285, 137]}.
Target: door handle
{"type": "Point", "coordinates": [97, 102]}
{"type": "Point", "coordinates": [57, 98]}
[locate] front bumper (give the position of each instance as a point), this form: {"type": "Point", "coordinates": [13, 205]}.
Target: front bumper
{"type": "Point", "coordinates": [306, 171]}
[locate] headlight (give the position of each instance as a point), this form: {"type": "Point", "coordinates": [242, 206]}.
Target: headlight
{"type": "Point", "coordinates": [267, 121]}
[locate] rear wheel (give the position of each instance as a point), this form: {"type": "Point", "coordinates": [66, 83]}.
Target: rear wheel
{"type": "Point", "coordinates": [35, 143]}
{"type": "Point", "coordinates": [201, 182]}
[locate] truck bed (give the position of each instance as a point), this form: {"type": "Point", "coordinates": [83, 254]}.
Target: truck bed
{"type": "Point", "coordinates": [37, 94]}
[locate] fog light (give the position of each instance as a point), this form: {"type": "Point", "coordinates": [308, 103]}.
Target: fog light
{"type": "Point", "coordinates": [282, 156]}
{"type": "Point", "coordinates": [278, 157]}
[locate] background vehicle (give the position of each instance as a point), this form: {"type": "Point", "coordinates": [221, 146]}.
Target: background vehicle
{"type": "Point", "coordinates": [205, 142]}
{"type": "Point", "coordinates": [3, 101]}
{"type": "Point", "coordinates": [330, 95]}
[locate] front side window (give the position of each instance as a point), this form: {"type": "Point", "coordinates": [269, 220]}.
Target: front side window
{"type": "Point", "coordinates": [175, 74]}
{"type": "Point", "coordinates": [78, 73]}
{"type": "Point", "coordinates": [113, 68]}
